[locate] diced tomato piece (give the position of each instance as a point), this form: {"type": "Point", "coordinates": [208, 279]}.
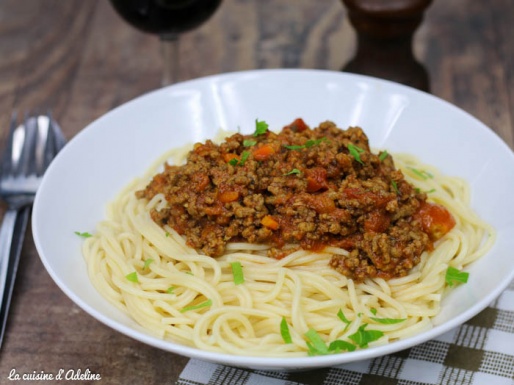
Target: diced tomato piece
{"type": "Point", "coordinates": [435, 220]}
{"type": "Point", "coordinates": [298, 125]}
{"type": "Point", "coordinates": [316, 179]}
{"type": "Point", "coordinates": [322, 203]}
{"type": "Point", "coordinates": [270, 222]}
{"type": "Point", "coordinates": [363, 195]}
{"type": "Point", "coordinates": [377, 221]}
{"type": "Point", "coordinates": [263, 152]}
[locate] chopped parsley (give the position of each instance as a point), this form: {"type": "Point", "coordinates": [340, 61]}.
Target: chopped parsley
{"type": "Point", "coordinates": [315, 343]}
{"type": "Point", "coordinates": [294, 171]}
{"type": "Point", "coordinates": [240, 162]}
{"type": "Point", "coordinates": [317, 347]}
{"type": "Point", "coordinates": [284, 331]}
{"type": "Point", "coordinates": [339, 346]}
{"type": "Point", "coordinates": [395, 187]}
{"type": "Point", "coordinates": [343, 318]}
{"type": "Point", "coordinates": [308, 144]}
{"type": "Point", "coordinates": [199, 306]}
{"type": "Point", "coordinates": [454, 275]}
{"type": "Point", "coordinates": [261, 127]}
{"type": "Point", "coordinates": [388, 321]}
{"type": "Point", "coordinates": [147, 263]}
{"type": "Point", "coordinates": [356, 152]}
{"type": "Point", "coordinates": [132, 277]}
{"type": "Point", "coordinates": [363, 337]}
{"type": "Point", "coordinates": [421, 173]}
{"type": "Point", "coordinates": [383, 155]}
{"type": "Point", "coordinates": [249, 142]}
{"type": "Point", "coordinates": [85, 234]}
{"type": "Point", "coordinates": [170, 290]}
{"type": "Point", "coordinates": [237, 272]}
{"type": "Point", "coordinates": [419, 191]}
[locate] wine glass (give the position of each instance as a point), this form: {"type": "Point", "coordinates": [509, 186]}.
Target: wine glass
{"type": "Point", "coordinates": [168, 19]}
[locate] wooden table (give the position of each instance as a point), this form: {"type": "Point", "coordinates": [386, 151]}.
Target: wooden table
{"type": "Point", "coordinates": [79, 59]}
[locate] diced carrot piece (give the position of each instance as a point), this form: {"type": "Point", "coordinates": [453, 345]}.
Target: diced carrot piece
{"type": "Point", "coordinates": [316, 179]}
{"type": "Point", "coordinates": [263, 152]}
{"type": "Point", "coordinates": [229, 156]}
{"type": "Point", "coordinates": [269, 222]}
{"type": "Point", "coordinates": [228, 196]}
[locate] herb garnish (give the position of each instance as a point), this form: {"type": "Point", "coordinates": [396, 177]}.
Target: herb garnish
{"type": "Point", "coordinates": [240, 162]}
{"type": "Point", "coordinates": [383, 155]}
{"type": "Point", "coordinates": [308, 144]}
{"type": "Point", "coordinates": [421, 173]}
{"type": "Point", "coordinates": [388, 321]}
{"type": "Point", "coordinates": [356, 152]}
{"type": "Point", "coordinates": [363, 337]}
{"type": "Point", "coordinates": [85, 234]}
{"type": "Point", "coordinates": [343, 318]}
{"type": "Point", "coordinates": [261, 127]}
{"type": "Point", "coordinates": [132, 277]}
{"type": "Point", "coordinates": [199, 306]}
{"type": "Point", "coordinates": [317, 347]}
{"type": "Point", "coordinates": [284, 331]}
{"type": "Point", "coordinates": [315, 344]}
{"type": "Point", "coordinates": [170, 290]}
{"type": "Point", "coordinates": [249, 142]}
{"type": "Point", "coordinates": [294, 171]}
{"type": "Point", "coordinates": [395, 187]}
{"type": "Point", "coordinates": [147, 263]}
{"type": "Point", "coordinates": [237, 272]}
{"type": "Point", "coordinates": [454, 275]}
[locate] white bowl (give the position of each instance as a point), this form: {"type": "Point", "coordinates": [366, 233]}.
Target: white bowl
{"type": "Point", "coordinates": [99, 161]}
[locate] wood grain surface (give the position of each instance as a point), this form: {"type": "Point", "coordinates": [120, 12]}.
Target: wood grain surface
{"type": "Point", "coordinates": [79, 59]}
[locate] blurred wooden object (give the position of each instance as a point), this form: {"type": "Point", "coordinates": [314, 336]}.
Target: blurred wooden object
{"type": "Point", "coordinates": [384, 33]}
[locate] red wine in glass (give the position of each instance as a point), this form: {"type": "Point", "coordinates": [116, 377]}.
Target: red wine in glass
{"type": "Point", "coordinates": [168, 19]}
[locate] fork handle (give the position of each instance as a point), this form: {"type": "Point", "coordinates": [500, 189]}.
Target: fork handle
{"type": "Point", "coordinates": [6, 236]}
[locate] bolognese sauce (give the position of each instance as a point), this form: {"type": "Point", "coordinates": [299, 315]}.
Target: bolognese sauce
{"type": "Point", "coordinates": [301, 188]}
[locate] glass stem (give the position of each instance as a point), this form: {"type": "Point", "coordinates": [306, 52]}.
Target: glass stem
{"type": "Point", "coordinates": [170, 59]}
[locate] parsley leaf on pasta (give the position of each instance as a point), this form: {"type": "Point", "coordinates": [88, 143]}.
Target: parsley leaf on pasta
{"type": "Point", "coordinates": [454, 275]}
{"type": "Point", "coordinates": [388, 321]}
{"type": "Point", "coordinates": [237, 272]}
{"type": "Point", "coordinates": [338, 346]}
{"type": "Point", "coordinates": [147, 263]}
{"type": "Point", "coordinates": [132, 277]}
{"type": "Point", "coordinates": [199, 306]}
{"type": "Point", "coordinates": [315, 344]}
{"type": "Point", "coordinates": [284, 331]}
{"type": "Point", "coordinates": [363, 337]}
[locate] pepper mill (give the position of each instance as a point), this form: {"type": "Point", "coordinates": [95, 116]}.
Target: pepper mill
{"type": "Point", "coordinates": [385, 30]}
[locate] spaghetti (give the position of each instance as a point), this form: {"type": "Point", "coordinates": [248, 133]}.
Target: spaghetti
{"type": "Point", "coordinates": [286, 307]}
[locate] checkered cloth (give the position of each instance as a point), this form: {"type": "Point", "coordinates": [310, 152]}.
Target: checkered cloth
{"type": "Point", "coordinates": [479, 352]}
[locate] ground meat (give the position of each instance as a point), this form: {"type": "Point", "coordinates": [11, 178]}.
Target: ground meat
{"type": "Point", "coordinates": [303, 187]}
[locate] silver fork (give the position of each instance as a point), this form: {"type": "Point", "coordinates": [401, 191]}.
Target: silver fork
{"type": "Point", "coordinates": [30, 148]}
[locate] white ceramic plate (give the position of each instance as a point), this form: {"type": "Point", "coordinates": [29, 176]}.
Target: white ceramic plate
{"type": "Point", "coordinates": [121, 145]}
